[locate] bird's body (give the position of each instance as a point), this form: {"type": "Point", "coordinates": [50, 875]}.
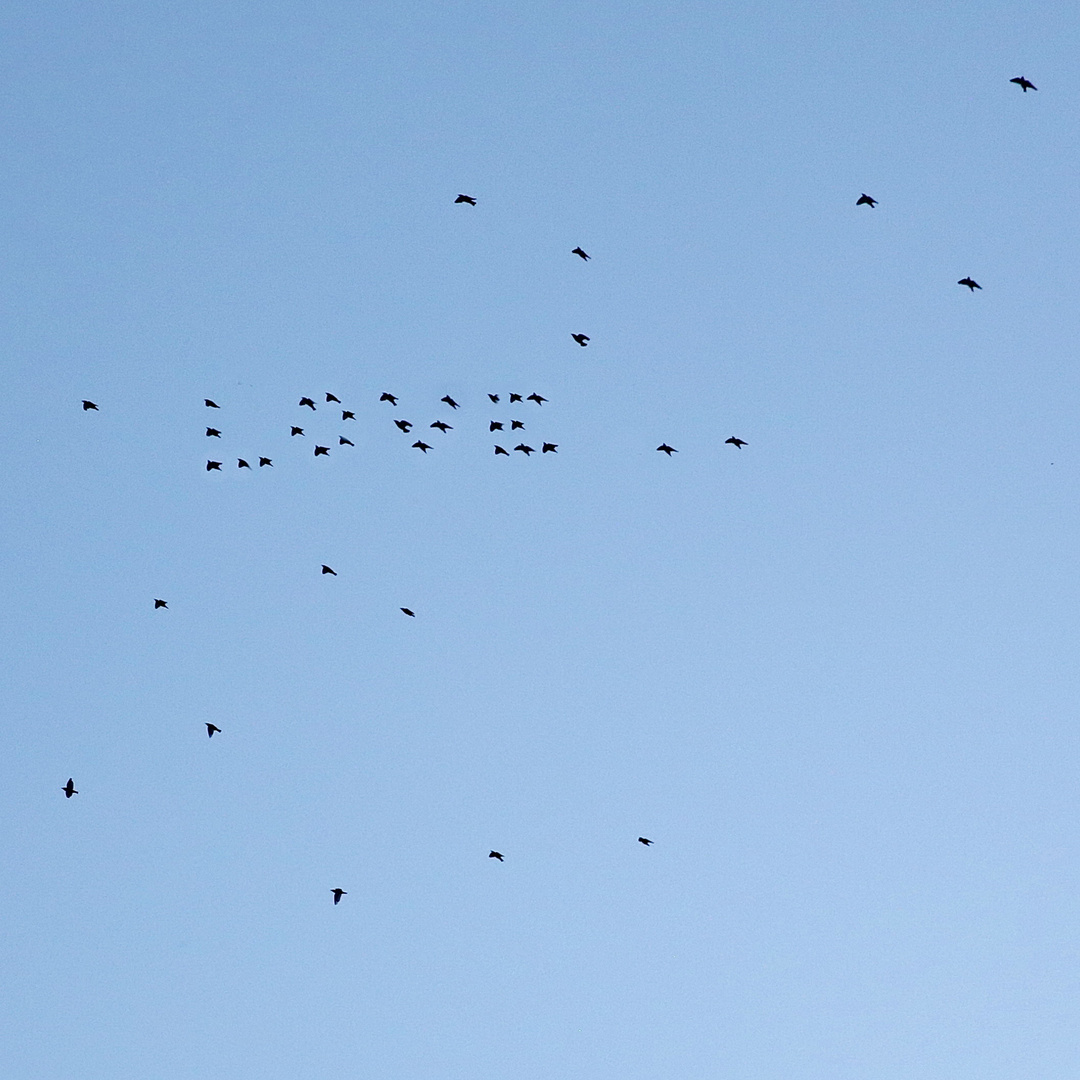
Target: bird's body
{"type": "Point", "coordinates": [88, 405]}
{"type": "Point", "coordinates": [159, 604]}
{"type": "Point", "coordinates": [308, 402]}
{"type": "Point", "coordinates": [211, 404]}
{"type": "Point", "coordinates": [404, 425]}
{"type": "Point", "coordinates": [69, 788]}
{"type": "Point", "coordinates": [517, 425]}
{"type": "Point", "coordinates": [338, 894]}
{"type": "Point", "coordinates": [551, 448]}
{"type": "Point", "coordinates": [342, 441]}
{"type": "Point", "coordinates": [242, 464]}
{"type": "Point", "coordinates": [537, 398]}
{"type": "Point", "coordinates": [210, 729]}
{"type": "Point", "coordinates": [388, 397]}
{"type": "Point", "coordinates": [213, 466]}
{"type": "Point", "coordinates": [514, 397]}
{"type": "Point", "coordinates": [465, 199]}
{"type": "Point", "coordinates": [580, 254]}
{"type": "Point", "coordinates": [346, 415]}
{"type": "Point", "coordinates": [327, 570]}
{"type": "Point", "coordinates": [331, 397]}
{"type": "Point", "coordinates": [499, 450]}
{"type": "Point", "coordinates": [644, 840]}
{"type": "Point", "coordinates": [323, 451]}
{"type": "Point", "coordinates": [409, 612]}
{"type": "Point", "coordinates": [526, 450]}
{"type": "Point", "coordinates": [494, 399]}
{"type": "Point", "coordinates": [1024, 84]}
{"type": "Point", "coordinates": [971, 283]}
{"type": "Point", "coordinates": [581, 339]}
{"type": "Point", "coordinates": [297, 431]}
{"type": "Point", "coordinates": [495, 855]}
{"type": "Point", "coordinates": [213, 433]}
{"type": "Point", "coordinates": [495, 425]}
{"type": "Point", "coordinates": [665, 449]}
{"type": "Point", "coordinates": [421, 445]}
{"type": "Point", "coordinates": [443, 427]}
{"type": "Point", "coordinates": [265, 461]}
{"type": "Point", "coordinates": [737, 443]}
{"type": "Point", "coordinates": [450, 401]}
{"type": "Point", "coordinates": [865, 200]}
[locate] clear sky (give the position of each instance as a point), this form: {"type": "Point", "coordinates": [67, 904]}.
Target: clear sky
{"type": "Point", "coordinates": [832, 674]}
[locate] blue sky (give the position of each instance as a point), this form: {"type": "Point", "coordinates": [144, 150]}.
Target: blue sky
{"type": "Point", "coordinates": [832, 675]}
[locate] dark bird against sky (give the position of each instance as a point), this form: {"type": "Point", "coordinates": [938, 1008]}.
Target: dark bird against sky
{"type": "Point", "coordinates": [159, 604]}
{"type": "Point", "coordinates": [87, 405]}
{"type": "Point", "coordinates": [69, 788]}
{"type": "Point", "coordinates": [737, 443]}
{"type": "Point", "coordinates": [342, 441]}
{"type": "Point", "coordinates": [210, 729]}
{"type": "Point", "coordinates": [338, 894]}
{"type": "Point", "coordinates": [494, 399]}
{"type": "Point", "coordinates": [580, 254]}
{"type": "Point", "coordinates": [551, 448]}
{"type": "Point", "coordinates": [495, 855]}
{"type": "Point", "coordinates": [465, 199]}
{"type": "Point", "coordinates": [389, 397]}
{"type": "Point", "coordinates": [308, 402]}
{"type": "Point", "coordinates": [213, 433]}
{"type": "Point", "coordinates": [665, 449]}
{"type": "Point", "coordinates": [517, 425]}
{"type": "Point", "coordinates": [242, 464]}
{"type": "Point", "coordinates": [644, 840]}
{"type": "Point", "coordinates": [211, 404]}
{"type": "Point", "coordinates": [537, 398]}
{"type": "Point", "coordinates": [213, 466]}
{"type": "Point", "coordinates": [1024, 84]}
{"type": "Point", "coordinates": [421, 445]}
{"type": "Point", "coordinates": [330, 397]}
{"type": "Point", "coordinates": [405, 425]}
{"type": "Point", "coordinates": [346, 415]}
{"type": "Point", "coordinates": [970, 283]}
{"type": "Point", "coordinates": [526, 450]}
{"type": "Point", "coordinates": [409, 612]}
{"type": "Point", "coordinates": [326, 570]}
{"type": "Point", "coordinates": [581, 339]}
{"type": "Point", "coordinates": [265, 461]}
{"type": "Point", "coordinates": [865, 200]}
{"type": "Point", "coordinates": [323, 451]}
{"type": "Point", "coordinates": [442, 426]}
{"type": "Point", "coordinates": [450, 401]}
{"type": "Point", "coordinates": [499, 450]}
{"type": "Point", "coordinates": [495, 425]}
{"type": "Point", "coordinates": [297, 431]}
{"type": "Point", "coordinates": [514, 397]}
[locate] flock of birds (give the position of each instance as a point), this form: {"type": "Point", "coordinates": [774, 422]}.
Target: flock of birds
{"type": "Point", "coordinates": [405, 426]}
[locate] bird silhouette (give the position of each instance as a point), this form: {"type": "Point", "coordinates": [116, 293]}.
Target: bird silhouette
{"type": "Point", "coordinates": [88, 405]}
{"type": "Point", "coordinates": [865, 200]}
{"type": "Point", "coordinates": [443, 427]}
{"type": "Point", "coordinates": [159, 604]}
{"type": "Point", "coordinates": [517, 425]}
{"type": "Point", "coordinates": [211, 404]}
{"type": "Point", "coordinates": [514, 397]}
{"type": "Point", "coordinates": [242, 464]}
{"type": "Point", "coordinates": [213, 433]}
{"type": "Point", "coordinates": [404, 425]}
{"type": "Point", "coordinates": [970, 283]}
{"type": "Point", "coordinates": [494, 399]}
{"type": "Point", "coordinates": [323, 450]}
{"type": "Point", "coordinates": [346, 415]}
{"type": "Point", "coordinates": [580, 254]}
{"type": "Point", "coordinates": [537, 398]}
{"type": "Point", "coordinates": [342, 441]}
{"type": "Point", "coordinates": [450, 401]}
{"type": "Point", "coordinates": [297, 431]}
{"type": "Point", "coordinates": [212, 466]}
{"type": "Point", "coordinates": [495, 855]}
{"type": "Point", "coordinates": [737, 443]}
{"type": "Point", "coordinates": [644, 840]}
{"type": "Point", "coordinates": [495, 425]}
{"type": "Point", "coordinates": [581, 339]}
{"type": "Point", "coordinates": [210, 729]}
{"type": "Point", "coordinates": [551, 448]}
{"type": "Point", "coordinates": [326, 570]}
{"type": "Point", "coordinates": [499, 450]}
{"type": "Point", "coordinates": [409, 612]}
{"type": "Point", "coordinates": [465, 198]}
{"type": "Point", "coordinates": [69, 788]}
{"type": "Point", "coordinates": [526, 450]}
{"type": "Point", "coordinates": [265, 461]}
{"type": "Point", "coordinates": [330, 397]}
{"type": "Point", "coordinates": [308, 402]}
{"type": "Point", "coordinates": [421, 445]}
{"type": "Point", "coordinates": [1024, 84]}
{"type": "Point", "coordinates": [338, 894]}
{"type": "Point", "coordinates": [389, 397]}
{"type": "Point", "coordinates": [669, 450]}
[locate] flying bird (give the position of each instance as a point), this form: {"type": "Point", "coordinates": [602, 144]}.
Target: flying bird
{"type": "Point", "coordinates": [499, 450]}
{"type": "Point", "coordinates": [737, 443]}
{"type": "Point", "coordinates": [338, 894]}
{"type": "Point", "coordinates": [443, 427]}
{"type": "Point", "coordinates": [580, 254]}
{"type": "Point", "coordinates": [449, 401]}
{"type": "Point", "coordinates": [213, 433]}
{"type": "Point", "coordinates": [581, 339]}
{"type": "Point", "coordinates": [537, 398]}
{"type": "Point", "coordinates": [297, 431]}
{"type": "Point", "coordinates": [514, 397]}
{"type": "Point", "coordinates": [644, 840]}
{"type": "Point", "coordinates": [326, 570]}
{"type": "Point", "coordinates": [346, 415]}
{"type": "Point", "coordinates": [323, 450]}
{"type": "Point", "coordinates": [265, 461]}
{"type": "Point", "coordinates": [526, 450]}
{"type": "Point", "coordinates": [330, 397]}
{"type": "Point", "coordinates": [211, 404]}
{"type": "Point", "coordinates": [409, 612]}
{"type": "Point", "coordinates": [421, 445]}
{"type": "Point", "coordinates": [517, 425]}
{"type": "Point", "coordinates": [210, 729]}
{"type": "Point", "coordinates": [1024, 84]}
{"type": "Point", "coordinates": [465, 198]}
{"type": "Point", "coordinates": [495, 425]}
{"type": "Point", "coordinates": [551, 448]}
{"type": "Point", "coordinates": [970, 283]}
{"type": "Point", "coordinates": [87, 405]}
{"type": "Point", "coordinates": [669, 450]}
{"type": "Point", "coordinates": [159, 604]}
{"type": "Point", "coordinates": [212, 466]}
{"type": "Point", "coordinates": [390, 398]}
{"type": "Point", "coordinates": [69, 788]}
{"type": "Point", "coordinates": [865, 200]}
{"type": "Point", "coordinates": [495, 855]}
{"type": "Point", "coordinates": [404, 425]}
{"type": "Point", "coordinates": [494, 399]}
{"type": "Point", "coordinates": [242, 464]}
{"type": "Point", "coordinates": [308, 402]}
{"type": "Point", "coordinates": [342, 441]}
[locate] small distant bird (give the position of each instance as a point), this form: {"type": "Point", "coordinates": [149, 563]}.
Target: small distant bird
{"type": "Point", "coordinates": [265, 461]}
{"type": "Point", "coordinates": [330, 397]}
{"type": "Point", "coordinates": [213, 433]}
{"type": "Point", "coordinates": [865, 200]}
{"type": "Point", "coordinates": [390, 398]}
{"type": "Point", "coordinates": [346, 415]}
{"type": "Point", "coordinates": [551, 448]}
{"type": "Point", "coordinates": [970, 283]}
{"type": "Point", "coordinates": [1024, 84]}
{"type": "Point", "coordinates": [443, 427]}
{"type": "Point", "coordinates": [449, 401]}
{"type": "Point", "coordinates": [210, 729]}
{"type": "Point", "coordinates": [644, 840]}
{"type": "Point", "coordinates": [211, 466]}
{"type": "Point", "coordinates": [514, 397]}
{"type": "Point", "coordinates": [669, 450]}
{"type": "Point", "coordinates": [495, 855]}
{"type": "Point", "coordinates": [159, 604]}
{"type": "Point", "coordinates": [499, 450]}
{"type": "Point", "coordinates": [326, 570]}
{"type": "Point", "coordinates": [737, 443]}
{"type": "Point", "coordinates": [421, 445]}
{"type": "Point", "coordinates": [404, 425]}
{"type": "Point", "coordinates": [242, 464]}
{"type": "Point", "coordinates": [69, 788]}
{"type": "Point", "coordinates": [465, 198]}
{"type": "Point", "coordinates": [580, 254]}
{"type": "Point", "coordinates": [526, 450]}
{"type": "Point", "coordinates": [495, 425]}
{"type": "Point", "coordinates": [537, 398]}
{"type": "Point", "coordinates": [409, 612]}
{"type": "Point", "coordinates": [581, 339]}
{"type": "Point", "coordinates": [297, 431]}
{"type": "Point", "coordinates": [494, 399]}
{"type": "Point", "coordinates": [211, 404]}
{"type": "Point", "coordinates": [308, 402]}
{"type": "Point", "coordinates": [342, 441]}
{"type": "Point", "coordinates": [323, 450]}
{"type": "Point", "coordinates": [517, 425]}
{"type": "Point", "coordinates": [87, 405]}
{"type": "Point", "coordinates": [338, 894]}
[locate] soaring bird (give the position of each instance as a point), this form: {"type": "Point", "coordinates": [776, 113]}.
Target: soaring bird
{"type": "Point", "coordinates": [87, 405]}
{"type": "Point", "coordinates": [465, 198]}
{"type": "Point", "coordinates": [69, 788]}
{"type": "Point", "coordinates": [421, 445]}
{"type": "Point", "coordinates": [159, 603]}
{"type": "Point", "coordinates": [409, 612]}
{"type": "Point", "coordinates": [210, 729]}
{"type": "Point", "coordinates": [388, 397]}
{"type": "Point", "coordinates": [330, 397]}
{"type": "Point", "coordinates": [644, 840]}
{"type": "Point", "coordinates": [443, 427]}
{"type": "Point", "coordinates": [517, 425]}
{"type": "Point", "coordinates": [865, 200]}
{"type": "Point", "coordinates": [326, 570]}
{"type": "Point", "coordinates": [551, 448]}
{"type": "Point", "coordinates": [1024, 84]}
{"type": "Point", "coordinates": [342, 441]}
{"type": "Point", "coordinates": [338, 894]}
{"type": "Point", "coordinates": [737, 443]}
{"type": "Point", "coordinates": [495, 855]}
{"type": "Point", "coordinates": [449, 401]}
{"type": "Point", "coordinates": [308, 402]}
{"type": "Point", "coordinates": [499, 450]}
{"type": "Point", "coordinates": [581, 254]}
{"type": "Point", "coordinates": [669, 450]}
{"type": "Point", "coordinates": [537, 398]}
{"type": "Point", "coordinates": [494, 399]}
{"type": "Point", "coordinates": [526, 450]}
{"type": "Point", "coordinates": [495, 425]}
{"type": "Point", "coordinates": [346, 415]}
{"type": "Point", "coordinates": [212, 466]}
{"type": "Point", "coordinates": [211, 404]}
{"type": "Point", "coordinates": [265, 461]}
{"type": "Point", "coordinates": [323, 450]}
{"type": "Point", "coordinates": [405, 425]}
{"type": "Point", "coordinates": [581, 339]}
{"type": "Point", "coordinates": [514, 397]}
{"type": "Point", "coordinates": [970, 283]}
{"type": "Point", "coordinates": [297, 431]}
{"type": "Point", "coordinates": [213, 433]}
{"type": "Point", "coordinates": [242, 464]}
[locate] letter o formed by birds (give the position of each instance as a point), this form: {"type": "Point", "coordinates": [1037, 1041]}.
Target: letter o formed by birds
{"type": "Point", "coordinates": [495, 855]}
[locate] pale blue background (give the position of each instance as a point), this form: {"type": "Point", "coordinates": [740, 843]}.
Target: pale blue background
{"type": "Point", "coordinates": [833, 675]}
